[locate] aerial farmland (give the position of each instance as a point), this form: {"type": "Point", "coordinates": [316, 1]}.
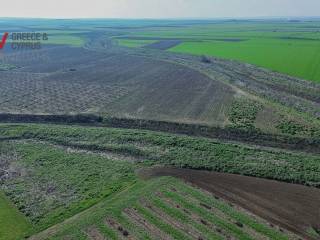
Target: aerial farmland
{"type": "Point", "coordinates": [161, 129]}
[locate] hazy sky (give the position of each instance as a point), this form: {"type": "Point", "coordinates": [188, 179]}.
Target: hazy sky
{"type": "Point", "coordinates": [158, 8]}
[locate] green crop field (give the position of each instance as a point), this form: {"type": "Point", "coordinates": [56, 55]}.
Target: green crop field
{"type": "Point", "coordinates": [13, 224]}
{"type": "Point", "coordinates": [292, 49]}
{"type": "Point", "coordinates": [300, 58]}
{"type": "Point", "coordinates": [65, 39]}
{"type": "Point", "coordinates": [149, 209]}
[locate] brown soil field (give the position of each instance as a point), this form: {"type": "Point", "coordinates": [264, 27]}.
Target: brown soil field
{"type": "Point", "coordinates": [288, 91]}
{"type": "Point", "coordinates": [75, 80]}
{"type": "Point", "coordinates": [145, 84]}
{"type": "Point", "coordinates": [293, 207]}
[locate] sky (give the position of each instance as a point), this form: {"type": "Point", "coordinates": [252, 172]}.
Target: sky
{"type": "Point", "coordinates": [158, 8]}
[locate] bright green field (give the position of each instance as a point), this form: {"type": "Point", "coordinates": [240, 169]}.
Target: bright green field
{"type": "Point", "coordinates": [66, 39]}
{"type": "Point", "coordinates": [299, 58]}
{"type": "Point", "coordinates": [286, 47]}
{"type": "Point", "coordinates": [13, 225]}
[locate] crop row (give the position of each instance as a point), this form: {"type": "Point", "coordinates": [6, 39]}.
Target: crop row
{"type": "Point", "coordinates": [154, 209]}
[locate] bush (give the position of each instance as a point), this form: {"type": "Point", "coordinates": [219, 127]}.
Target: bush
{"type": "Point", "coordinates": [205, 59]}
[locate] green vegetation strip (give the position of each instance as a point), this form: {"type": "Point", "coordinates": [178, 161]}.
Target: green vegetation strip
{"type": "Point", "coordinates": [117, 212]}
{"type": "Point", "coordinates": [225, 208]}
{"type": "Point", "coordinates": [6, 67]}
{"type": "Point", "coordinates": [231, 229]}
{"type": "Point", "coordinates": [184, 218]}
{"type": "Point", "coordinates": [76, 235]}
{"type": "Point", "coordinates": [178, 150]}
{"type": "Point", "coordinates": [13, 225]}
{"type": "Point", "coordinates": [106, 231]}
{"type": "Point", "coordinates": [243, 113]}
{"type": "Point", "coordinates": [152, 218]}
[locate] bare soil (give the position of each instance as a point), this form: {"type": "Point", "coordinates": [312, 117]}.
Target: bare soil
{"type": "Point", "coordinates": [293, 207]}
{"type": "Point", "coordinates": [164, 44]}
{"type": "Point", "coordinates": [65, 80]}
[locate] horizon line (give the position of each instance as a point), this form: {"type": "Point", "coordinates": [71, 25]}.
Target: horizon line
{"type": "Point", "coordinates": [159, 18]}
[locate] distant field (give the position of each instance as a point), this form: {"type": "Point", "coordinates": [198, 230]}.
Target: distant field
{"type": "Point", "coordinates": [299, 58]}
{"type": "Point", "coordinates": [134, 43]}
{"type": "Point", "coordinates": [65, 37]}
{"type": "Point", "coordinates": [291, 48]}
{"type": "Point", "coordinates": [66, 40]}
{"type": "Point", "coordinates": [69, 38]}
{"type": "Point", "coordinates": [13, 225]}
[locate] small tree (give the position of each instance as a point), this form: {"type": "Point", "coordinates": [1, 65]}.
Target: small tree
{"type": "Point", "coordinates": [205, 59]}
